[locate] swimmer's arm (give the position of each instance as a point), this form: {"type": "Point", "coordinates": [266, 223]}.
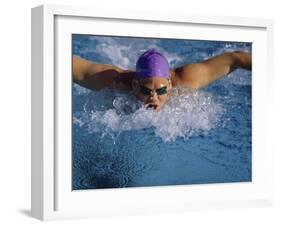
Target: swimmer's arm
{"type": "Point", "coordinates": [92, 75]}
{"type": "Point", "coordinates": [202, 74]}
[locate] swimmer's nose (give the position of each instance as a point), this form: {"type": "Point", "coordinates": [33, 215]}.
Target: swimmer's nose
{"type": "Point", "coordinates": [153, 96]}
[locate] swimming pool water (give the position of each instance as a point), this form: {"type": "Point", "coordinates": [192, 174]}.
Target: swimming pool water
{"type": "Point", "coordinates": [199, 137]}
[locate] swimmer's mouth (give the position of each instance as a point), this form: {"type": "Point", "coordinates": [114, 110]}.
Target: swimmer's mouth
{"type": "Point", "coordinates": [153, 106]}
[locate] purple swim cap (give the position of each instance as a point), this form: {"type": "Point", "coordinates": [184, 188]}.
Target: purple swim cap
{"type": "Point", "coordinates": [152, 64]}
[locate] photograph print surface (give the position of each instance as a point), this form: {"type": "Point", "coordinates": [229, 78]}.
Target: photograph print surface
{"type": "Point", "coordinates": [199, 136]}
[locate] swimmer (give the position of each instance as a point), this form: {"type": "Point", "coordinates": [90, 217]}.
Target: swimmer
{"type": "Point", "coordinates": [153, 79]}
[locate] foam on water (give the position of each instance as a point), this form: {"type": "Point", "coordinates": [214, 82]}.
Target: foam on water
{"type": "Point", "coordinates": [187, 113]}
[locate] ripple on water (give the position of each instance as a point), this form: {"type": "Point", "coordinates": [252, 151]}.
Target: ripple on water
{"type": "Point", "coordinates": [103, 181]}
{"type": "Point", "coordinates": [127, 140]}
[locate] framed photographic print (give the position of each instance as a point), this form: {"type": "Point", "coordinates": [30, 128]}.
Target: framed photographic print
{"type": "Point", "coordinates": [144, 112]}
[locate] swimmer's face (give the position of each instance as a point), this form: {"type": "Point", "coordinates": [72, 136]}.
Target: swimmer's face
{"type": "Point", "coordinates": [152, 91]}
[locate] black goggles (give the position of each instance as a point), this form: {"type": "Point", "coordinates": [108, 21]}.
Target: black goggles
{"type": "Point", "coordinates": [146, 91]}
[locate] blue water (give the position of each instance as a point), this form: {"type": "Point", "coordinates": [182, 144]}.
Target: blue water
{"type": "Point", "coordinates": [199, 137]}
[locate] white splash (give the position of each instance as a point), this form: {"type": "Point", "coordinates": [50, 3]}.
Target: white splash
{"type": "Point", "coordinates": [186, 114]}
{"type": "Point", "coordinates": [124, 52]}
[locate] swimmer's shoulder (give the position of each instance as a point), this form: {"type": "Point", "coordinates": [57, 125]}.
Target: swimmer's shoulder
{"type": "Point", "coordinates": [186, 76]}
{"type": "Point", "coordinates": [178, 77]}
{"type": "Point", "coordinates": [124, 80]}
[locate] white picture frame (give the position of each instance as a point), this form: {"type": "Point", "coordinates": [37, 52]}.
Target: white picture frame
{"type": "Point", "coordinates": [52, 197]}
